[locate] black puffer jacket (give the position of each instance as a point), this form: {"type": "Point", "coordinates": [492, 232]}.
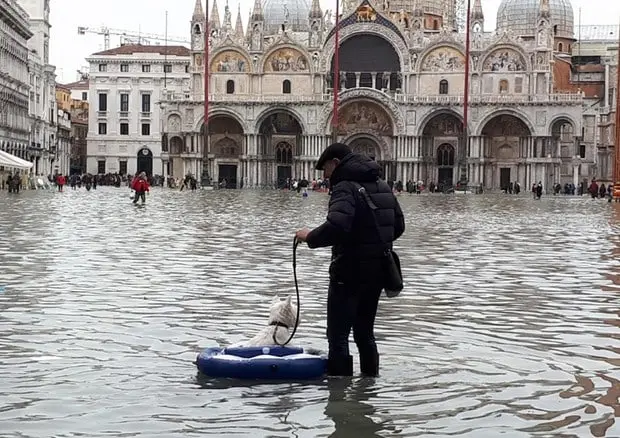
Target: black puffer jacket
{"type": "Point", "coordinates": [350, 227]}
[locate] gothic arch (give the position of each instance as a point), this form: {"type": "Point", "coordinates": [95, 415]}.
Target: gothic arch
{"type": "Point", "coordinates": [395, 39]}
{"type": "Point", "coordinates": [222, 112]}
{"type": "Point", "coordinates": [384, 149]}
{"type": "Point", "coordinates": [176, 145]}
{"type": "Point", "coordinates": [436, 48]}
{"type": "Point", "coordinates": [280, 109]}
{"type": "Point", "coordinates": [398, 121]}
{"type": "Point", "coordinates": [433, 114]}
{"type": "Point", "coordinates": [272, 52]}
{"type": "Point", "coordinates": [562, 118]}
{"type": "Point", "coordinates": [220, 56]}
{"type": "Point", "coordinates": [510, 112]}
{"type": "Point", "coordinates": [496, 50]}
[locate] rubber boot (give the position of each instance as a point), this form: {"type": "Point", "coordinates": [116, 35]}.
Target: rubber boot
{"type": "Point", "coordinates": [369, 365]}
{"type": "Point", "coordinates": [340, 366]}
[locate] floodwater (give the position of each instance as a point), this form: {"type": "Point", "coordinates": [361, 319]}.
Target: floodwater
{"type": "Point", "coordinates": [508, 324]}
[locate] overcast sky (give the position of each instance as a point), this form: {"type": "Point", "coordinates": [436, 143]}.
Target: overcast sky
{"type": "Point", "coordinates": [68, 49]}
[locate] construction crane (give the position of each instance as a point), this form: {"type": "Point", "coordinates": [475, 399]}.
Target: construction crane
{"type": "Point", "coordinates": [128, 36]}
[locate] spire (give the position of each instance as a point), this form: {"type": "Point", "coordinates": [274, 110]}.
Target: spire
{"type": "Point", "coordinates": [239, 24]}
{"type": "Point", "coordinates": [257, 11]}
{"type": "Point", "coordinates": [199, 14]}
{"type": "Point", "coordinates": [476, 13]}
{"type": "Point", "coordinates": [214, 18]}
{"type": "Point", "coordinates": [544, 10]}
{"type": "Point", "coordinates": [315, 10]}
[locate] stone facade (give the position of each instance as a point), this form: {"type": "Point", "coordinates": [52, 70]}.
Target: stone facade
{"type": "Point", "coordinates": [127, 85]}
{"type": "Point", "coordinates": [14, 87]}
{"type": "Point", "coordinates": [400, 102]}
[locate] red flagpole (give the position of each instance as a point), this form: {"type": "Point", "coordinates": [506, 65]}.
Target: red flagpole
{"type": "Point", "coordinates": [336, 79]}
{"type": "Point", "coordinates": [206, 85]}
{"type": "Point", "coordinates": [465, 144]}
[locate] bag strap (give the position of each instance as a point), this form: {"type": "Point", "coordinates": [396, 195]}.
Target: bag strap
{"type": "Point", "coordinates": [373, 207]}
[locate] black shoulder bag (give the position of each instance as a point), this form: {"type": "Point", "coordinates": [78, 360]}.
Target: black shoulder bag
{"type": "Point", "coordinates": [393, 274]}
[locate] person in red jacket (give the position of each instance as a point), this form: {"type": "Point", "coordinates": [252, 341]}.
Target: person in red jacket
{"type": "Point", "coordinates": [60, 181]}
{"type": "Point", "coordinates": [141, 186]}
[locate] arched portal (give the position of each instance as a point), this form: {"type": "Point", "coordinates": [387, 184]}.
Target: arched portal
{"type": "Point", "coordinates": [504, 135]}
{"type": "Point", "coordinates": [279, 141]}
{"type": "Point", "coordinates": [366, 146]}
{"type": "Point", "coordinates": [225, 146]}
{"type": "Point", "coordinates": [370, 61]}
{"type": "Point", "coordinates": [145, 161]}
{"type": "Point", "coordinates": [441, 140]}
{"type": "Point", "coordinates": [563, 134]}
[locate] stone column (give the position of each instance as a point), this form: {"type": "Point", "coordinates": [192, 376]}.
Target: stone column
{"type": "Point", "coordinates": [575, 174]}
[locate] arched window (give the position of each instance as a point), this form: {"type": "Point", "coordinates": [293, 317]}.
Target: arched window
{"type": "Point", "coordinates": [286, 87]}
{"type": "Point", "coordinates": [284, 153]}
{"type": "Point", "coordinates": [230, 86]}
{"type": "Point", "coordinates": [197, 29]}
{"type": "Point", "coordinates": [503, 86]}
{"type": "Point", "coordinates": [560, 47]}
{"type": "Point", "coordinates": [555, 29]}
{"type": "Point", "coordinates": [443, 87]}
{"type": "Point", "coordinates": [445, 155]}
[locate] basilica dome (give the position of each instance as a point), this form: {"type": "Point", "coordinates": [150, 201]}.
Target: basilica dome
{"type": "Point", "coordinates": [294, 12]}
{"type": "Point", "coordinates": [521, 17]}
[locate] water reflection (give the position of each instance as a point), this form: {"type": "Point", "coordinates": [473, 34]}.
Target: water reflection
{"type": "Point", "coordinates": [508, 323]}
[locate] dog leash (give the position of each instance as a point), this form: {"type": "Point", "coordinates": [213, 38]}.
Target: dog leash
{"type": "Point", "coordinates": [296, 243]}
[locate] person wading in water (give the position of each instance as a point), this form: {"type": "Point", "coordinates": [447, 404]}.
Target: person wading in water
{"type": "Point", "coordinates": [359, 238]}
{"type": "Point", "coordinates": [141, 187]}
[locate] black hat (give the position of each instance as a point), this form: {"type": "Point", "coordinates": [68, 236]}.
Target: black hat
{"type": "Point", "coordinates": [334, 150]}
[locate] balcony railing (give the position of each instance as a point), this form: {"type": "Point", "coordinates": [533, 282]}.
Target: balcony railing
{"type": "Point", "coordinates": [145, 115]}
{"type": "Point", "coordinates": [440, 99]}
{"type": "Point", "coordinates": [123, 114]}
{"type": "Point", "coordinates": [102, 114]}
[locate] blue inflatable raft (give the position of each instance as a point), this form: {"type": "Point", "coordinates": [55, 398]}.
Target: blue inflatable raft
{"type": "Point", "coordinates": [280, 363]}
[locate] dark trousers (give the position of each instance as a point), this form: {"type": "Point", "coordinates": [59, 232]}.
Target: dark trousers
{"type": "Point", "coordinates": [352, 307]}
{"type": "Point", "coordinates": [139, 195]}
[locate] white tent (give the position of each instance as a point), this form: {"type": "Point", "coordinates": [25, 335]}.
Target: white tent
{"type": "Point", "coordinates": [8, 160]}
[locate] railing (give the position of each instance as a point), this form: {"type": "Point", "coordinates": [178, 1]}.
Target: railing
{"type": "Point", "coordinates": [441, 99]}
{"type": "Point", "coordinates": [123, 114]}
{"type": "Point", "coordinates": [145, 115]}
{"type": "Point", "coordinates": [102, 113]}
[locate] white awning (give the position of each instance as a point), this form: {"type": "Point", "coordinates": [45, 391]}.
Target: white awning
{"type": "Point", "coordinates": [8, 160]}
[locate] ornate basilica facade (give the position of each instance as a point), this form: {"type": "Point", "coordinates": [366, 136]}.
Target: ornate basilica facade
{"type": "Point", "coordinates": [401, 99]}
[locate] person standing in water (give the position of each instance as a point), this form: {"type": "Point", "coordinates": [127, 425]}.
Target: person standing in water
{"type": "Point", "coordinates": [141, 187]}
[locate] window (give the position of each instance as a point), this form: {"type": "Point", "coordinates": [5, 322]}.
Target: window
{"type": "Point", "coordinates": [103, 67]}
{"type": "Point", "coordinates": [124, 68]}
{"type": "Point", "coordinates": [284, 153]}
{"type": "Point", "coordinates": [103, 102]}
{"type": "Point", "coordinates": [124, 102]}
{"type": "Point", "coordinates": [84, 95]}
{"type": "Point", "coordinates": [445, 155]}
{"type": "Point", "coordinates": [582, 150]}
{"type": "Point", "coordinates": [146, 68]}
{"type": "Point", "coordinates": [146, 103]}
{"type": "Point", "coordinates": [286, 87]}
{"type": "Point", "coordinates": [435, 25]}
{"type": "Point", "coordinates": [101, 167]}
{"type": "Point", "coordinates": [103, 128]}
{"type": "Point", "coordinates": [122, 165]}
{"type": "Point", "coordinates": [560, 47]}
{"type": "Point", "coordinates": [230, 86]}
{"type": "Point", "coordinates": [518, 85]}
{"type": "Point", "coordinates": [124, 128]}
{"type": "Point", "coordinates": [443, 87]}
{"type": "Point", "coordinates": [197, 29]}
{"type": "Point", "coordinates": [503, 86]}
{"type": "Point", "coordinates": [555, 29]}
{"type": "Point", "coordinates": [146, 129]}
{"type": "Point", "coordinates": [167, 68]}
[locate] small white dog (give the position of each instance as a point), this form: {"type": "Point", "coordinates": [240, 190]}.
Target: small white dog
{"type": "Point", "coordinates": [282, 317]}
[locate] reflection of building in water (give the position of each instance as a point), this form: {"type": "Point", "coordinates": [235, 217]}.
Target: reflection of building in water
{"type": "Point", "coordinates": [401, 82]}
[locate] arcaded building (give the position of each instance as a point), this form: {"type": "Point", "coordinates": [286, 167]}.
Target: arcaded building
{"type": "Point", "coordinates": [401, 98]}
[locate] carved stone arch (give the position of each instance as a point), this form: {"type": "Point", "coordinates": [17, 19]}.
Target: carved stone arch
{"type": "Point", "coordinates": [301, 59]}
{"type": "Point", "coordinates": [558, 119]}
{"type": "Point", "coordinates": [222, 112]}
{"type": "Point", "coordinates": [496, 54]}
{"type": "Point", "coordinates": [509, 112]}
{"type": "Point", "coordinates": [384, 149]}
{"type": "Point", "coordinates": [174, 122]}
{"type": "Point", "coordinates": [443, 112]}
{"type": "Point", "coordinates": [367, 28]}
{"type": "Point", "coordinates": [392, 110]}
{"type": "Point", "coordinates": [234, 58]}
{"type": "Point", "coordinates": [176, 145]}
{"type": "Point", "coordinates": [280, 109]}
{"type": "Point", "coordinates": [226, 148]}
{"type": "Point", "coordinates": [450, 50]}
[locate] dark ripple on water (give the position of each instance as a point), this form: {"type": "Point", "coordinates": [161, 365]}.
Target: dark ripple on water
{"type": "Point", "coordinates": [509, 323]}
